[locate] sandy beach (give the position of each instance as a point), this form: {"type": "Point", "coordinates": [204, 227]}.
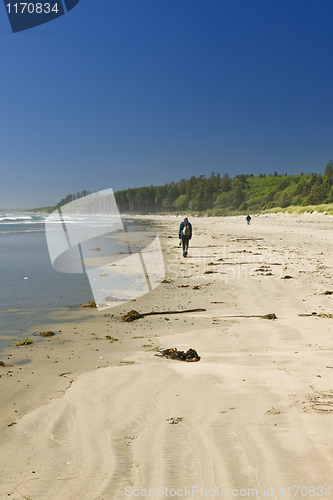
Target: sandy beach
{"type": "Point", "coordinates": [85, 417]}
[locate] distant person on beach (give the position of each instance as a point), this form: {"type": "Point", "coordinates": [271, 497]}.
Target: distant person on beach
{"type": "Point", "coordinates": [248, 220]}
{"type": "Point", "coordinates": [185, 234]}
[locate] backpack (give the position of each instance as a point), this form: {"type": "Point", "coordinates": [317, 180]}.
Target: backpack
{"type": "Point", "coordinates": [187, 230]}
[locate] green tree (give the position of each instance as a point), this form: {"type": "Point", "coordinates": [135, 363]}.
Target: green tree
{"type": "Point", "coordinates": [181, 202]}
{"type": "Point", "coordinates": [225, 183]}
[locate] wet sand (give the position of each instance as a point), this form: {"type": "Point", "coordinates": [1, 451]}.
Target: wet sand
{"type": "Point", "coordinates": [86, 418]}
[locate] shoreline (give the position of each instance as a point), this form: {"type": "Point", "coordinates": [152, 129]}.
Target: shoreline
{"type": "Point", "coordinates": [258, 402]}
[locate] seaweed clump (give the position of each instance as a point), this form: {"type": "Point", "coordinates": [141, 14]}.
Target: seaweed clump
{"type": "Point", "coordinates": [89, 304]}
{"type": "Point", "coordinates": [47, 334]}
{"type": "Point", "coordinates": [24, 342]}
{"type": "Point", "coordinates": [173, 353]}
{"type": "Point", "coordinates": [132, 316]}
{"type": "Point", "coordinates": [269, 316]}
{"type": "Point", "coordinates": [4, 364]}
{"type": "Point", "coordinates": [111, 339]}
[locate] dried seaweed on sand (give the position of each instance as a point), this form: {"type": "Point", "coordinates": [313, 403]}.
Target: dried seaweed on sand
{"type": "Point", "coordinates": [47, 334]}
{"type": "Point", "coordinates": [190, 356]}
{"type": "Point", "coordinates": [4, 364]}
{"type": "Point", "coordinates": [89, 304]}
{"type": "Point", "coordinates": [320, 315]}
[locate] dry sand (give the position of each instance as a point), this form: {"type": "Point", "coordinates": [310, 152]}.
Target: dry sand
{"type": "Point", "coordinates": [84, 418]}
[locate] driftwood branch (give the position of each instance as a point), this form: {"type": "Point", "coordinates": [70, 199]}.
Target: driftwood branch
{"type": "Point", "coordinates": [265, 316]}
{"type": "Point", "coordinates": [133, 315]}
{"type": "Point", "coordinates": [173, 312]}
{"type": "Point", "coordinates": [320, 315]}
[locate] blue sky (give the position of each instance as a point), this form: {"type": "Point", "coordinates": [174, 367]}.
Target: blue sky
{"type": "Point", "coordinates": [126, 93]}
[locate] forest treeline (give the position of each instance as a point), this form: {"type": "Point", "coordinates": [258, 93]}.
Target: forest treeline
{"type": "Point", "coordinates": [72, 197]}
{"type": "Point", "coordinates": [220, 195]}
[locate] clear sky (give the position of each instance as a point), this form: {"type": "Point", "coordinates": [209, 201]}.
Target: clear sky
{"type": "Point", "coordinates": [126, 93]}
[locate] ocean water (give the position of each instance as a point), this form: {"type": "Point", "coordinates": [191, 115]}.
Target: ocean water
{"type": "Point", "coordinates": [30, 288]}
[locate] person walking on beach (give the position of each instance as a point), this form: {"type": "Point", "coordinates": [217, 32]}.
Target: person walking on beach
{"type": "Point", "coordinates": [185, 234]}
{"type": "Point", "coordinates": [248, 220]}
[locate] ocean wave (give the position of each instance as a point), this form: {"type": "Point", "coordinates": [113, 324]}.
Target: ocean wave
{"type": "Point", "coordinates": [8, 218]}
{"type": "Point", "coordinates": [19, 222]}
{"type": "Point", "coordinates": [12, 217]}
{"type": "Point", "coordinates": [23, 231]}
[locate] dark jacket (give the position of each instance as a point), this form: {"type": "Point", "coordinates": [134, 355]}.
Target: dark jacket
{"type": "Point", "coordinates": [181, 227]}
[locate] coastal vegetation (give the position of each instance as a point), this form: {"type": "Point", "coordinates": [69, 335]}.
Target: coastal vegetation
{"type": "Point", "coordinates": [63, 201]}
{"type": "Point", "coordinates": [222, 195]}
{"type": "Point", "coordinates": [218, 195]}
